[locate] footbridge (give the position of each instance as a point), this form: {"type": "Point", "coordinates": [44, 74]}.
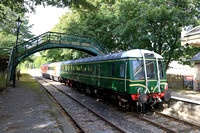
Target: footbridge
{"type": "Point", "coordinates": [50, 40]}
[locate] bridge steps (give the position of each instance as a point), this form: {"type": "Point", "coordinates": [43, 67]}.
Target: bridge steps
{"type": "Point", "coordinates": [3, 63]}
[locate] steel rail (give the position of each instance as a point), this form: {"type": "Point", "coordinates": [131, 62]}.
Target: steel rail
{"type": "Point", "coordinates": [155, 124]}
{"type": "Point", "coordinates": [118, 128]}
{"type": "Point", "coordinates": [98, 115]}
{"type": "Point", "coordinates": [174, 118]}
{"type": "Point", "coordinates": [62, 108]}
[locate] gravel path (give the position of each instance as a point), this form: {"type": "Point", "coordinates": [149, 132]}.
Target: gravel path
{"type": "Point", "coordinates": [23, 110]}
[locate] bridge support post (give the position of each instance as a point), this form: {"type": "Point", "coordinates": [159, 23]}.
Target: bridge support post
{"type": "Point", "coordinates": [14, 77]}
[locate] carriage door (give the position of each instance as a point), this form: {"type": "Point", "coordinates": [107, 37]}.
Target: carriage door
{"type": "Point", "coordinates": [97, 81]}
{"type": "Point", "coordinates": [150, 72]}
{"type": "Point", "coordinates": [123, 73]}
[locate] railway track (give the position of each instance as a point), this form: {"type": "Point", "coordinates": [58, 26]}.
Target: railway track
{"type": "Point", "coordinates": [86, 119]}
{"type": "Point", "coordinates": [169, 123]}
{"type": "Point", "coordinates": [155, 124]}
{"type": "Point", "coordinates": [96, 121]}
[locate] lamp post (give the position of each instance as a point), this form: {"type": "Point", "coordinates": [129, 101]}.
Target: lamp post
{"type": "Point", "coordinates": [18, 22]}
{"type": "Point", "coordinates": [131, 40]}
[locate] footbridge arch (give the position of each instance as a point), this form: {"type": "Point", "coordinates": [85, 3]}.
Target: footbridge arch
{"type": "Point", "coordinates": [50, 40]}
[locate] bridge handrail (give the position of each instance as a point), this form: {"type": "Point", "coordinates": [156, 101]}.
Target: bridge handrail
{"type": "Point", "coordinates": [50, 36]}
{"type": "Point", "coordinates": [60, 37]}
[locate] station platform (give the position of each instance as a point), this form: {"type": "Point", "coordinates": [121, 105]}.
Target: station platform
{"type": "Point", "coordinates": [186, 96]}
{"type": "Point", "coordinates": [29, 108]}
{"type": "Point", "coordinates": [184, 104]}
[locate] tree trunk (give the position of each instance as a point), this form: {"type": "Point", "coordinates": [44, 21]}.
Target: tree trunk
{"type": "Point", "coordinates": [167, 63]}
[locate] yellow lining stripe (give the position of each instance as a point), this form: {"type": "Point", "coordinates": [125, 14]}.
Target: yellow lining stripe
{"type": "Point", "coordinates": [139, 85]}
{"type": "Point", "coordinates": [136, 80]}
{"type": "Point", "coordinates": [108, 77]}
{"type": "Point", "coordinates": [157, 86]}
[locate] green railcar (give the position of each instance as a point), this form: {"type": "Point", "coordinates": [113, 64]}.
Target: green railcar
{"type": "Point", "coordinates": [134, 75]}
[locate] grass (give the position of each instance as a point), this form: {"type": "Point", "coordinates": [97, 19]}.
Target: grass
{"type": "Point", "coordinates": [28, 82]}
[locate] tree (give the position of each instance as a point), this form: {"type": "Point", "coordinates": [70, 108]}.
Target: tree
{"type": "Point", "coordinates": [8, 32]}
{"type": "Point", "coordinates": [155, 25]}
{"type": "Point", "coordinates": [22, 6]}
{"type": "Point", "coordinates": [164, 21]}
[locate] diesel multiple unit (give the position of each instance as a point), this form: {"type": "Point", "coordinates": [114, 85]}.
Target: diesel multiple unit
{"type": "Point", "coordinates": [134, 76]}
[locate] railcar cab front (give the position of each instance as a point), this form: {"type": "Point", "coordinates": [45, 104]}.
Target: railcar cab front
{"type": "Point", "coordinates": [148, 78]}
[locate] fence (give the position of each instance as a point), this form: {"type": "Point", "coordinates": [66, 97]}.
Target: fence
{"type": "Point", "coordinates": [175, 81]}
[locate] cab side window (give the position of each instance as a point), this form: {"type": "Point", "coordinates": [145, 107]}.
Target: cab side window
{"type": "Point", "coordinates": [122, 70]}
{"type": "Point", "coordinates": [112, 69]}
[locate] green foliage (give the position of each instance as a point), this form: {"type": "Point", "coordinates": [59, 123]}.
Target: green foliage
{"type": "Point", "coordinates": [155, 25]}
{"type": "Point", "coordinates": [32, 61]}
{"type": "Point", "coordinates": [8, 27]}
{"type": "Point", "coordinates": [22, 6]}
{"type": "Point", "coordinates": [60, 54]}
{"type": "Point", "coordinates": [8, 33]}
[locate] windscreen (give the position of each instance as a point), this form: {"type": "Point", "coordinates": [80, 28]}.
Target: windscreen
{"type": "Point", "coordinates": [150, 67]}
{"type": "Point", "coordinates": [138, 69]}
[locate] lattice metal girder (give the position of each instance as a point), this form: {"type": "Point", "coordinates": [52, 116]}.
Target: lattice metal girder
{"type": "Point", "coordinates": [68, 39]}
{"type": "Point", "coordinates": [47, 45]}
{"type": "Point", "coordinates": [51, 40]}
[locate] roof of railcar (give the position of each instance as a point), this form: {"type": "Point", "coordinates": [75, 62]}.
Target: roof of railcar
{"type": "Point", "coordinates": [53, 63]}
{"type": "Point", "coordinates": [45, 64]}
{"type": "Point", "coordinates": [135, 53]}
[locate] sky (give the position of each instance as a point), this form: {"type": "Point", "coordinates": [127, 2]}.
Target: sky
{"type": "Point", "coordinates": [44, 19]}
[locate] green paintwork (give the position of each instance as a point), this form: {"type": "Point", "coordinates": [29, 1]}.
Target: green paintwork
{"type": "Point", "coordinates": [51, 40]}
{"type": "Point", "coordinates": [105, 80]}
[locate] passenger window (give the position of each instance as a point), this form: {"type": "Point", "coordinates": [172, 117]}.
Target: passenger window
{"type": "Point", "coordinates": [93, 69]}
{"type": "Point", "coordinates": [122, 70]}
{"type": "Point", "coordinates": [75, 69]}
{"type": "Point", "coordinates": [112, 69]}
{"type": "Point", "coordinates": [138, 70]}
{"type": "Point", "coordinates": [78, 68]}
{"type": "Point", "coordinates": [81, 69]}
{"type": "Point", "coordinates": [98, 70]}
{"type": "Point", "coordinates": [90, 69]}
{"type": "Point", "coordinates": [63, 68]}
{"type": "Point", "coordinates": [84, 69]}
